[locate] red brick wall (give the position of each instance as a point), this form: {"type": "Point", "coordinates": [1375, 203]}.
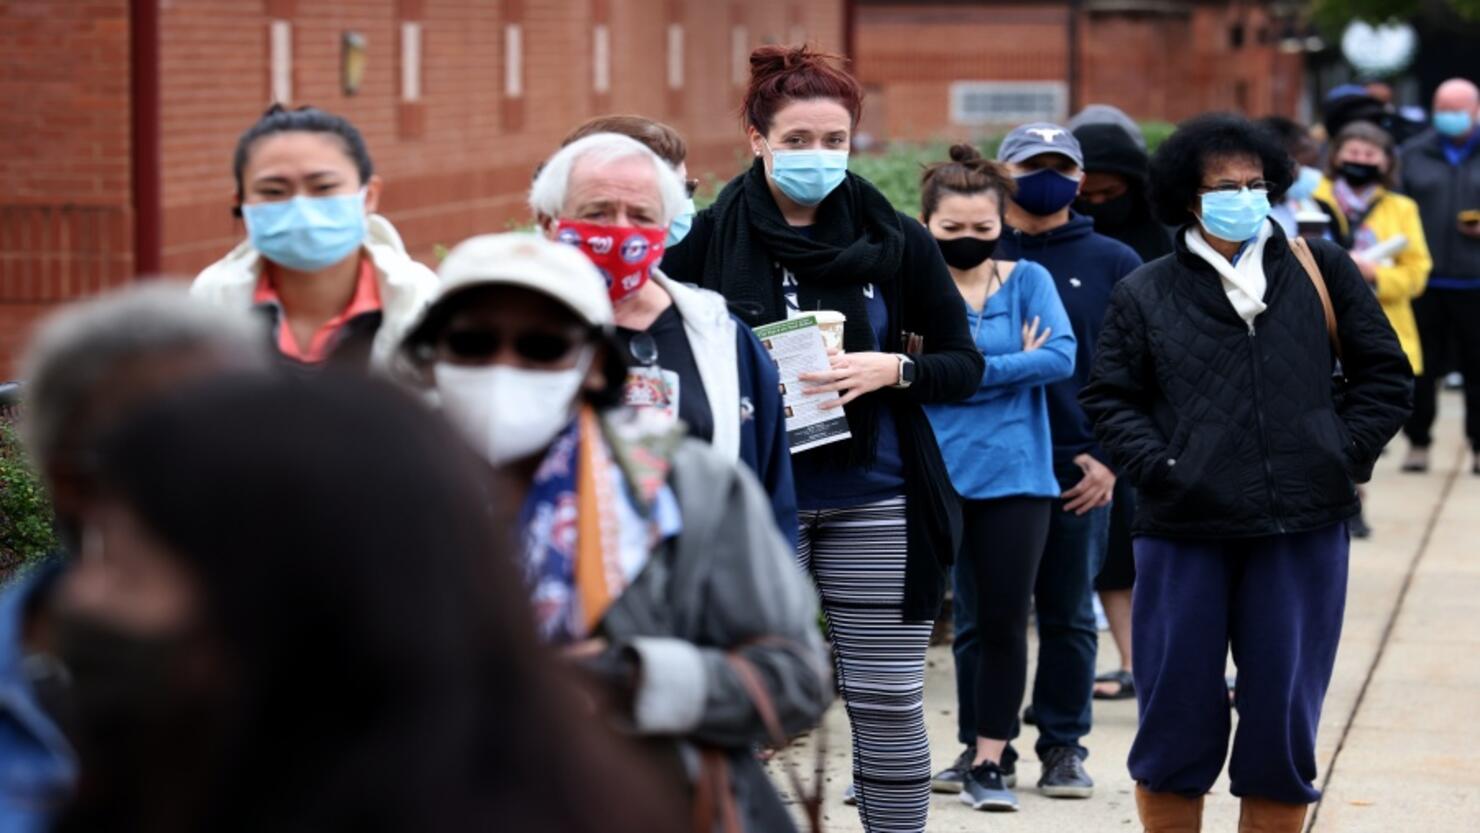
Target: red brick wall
{"type": "Point", "coordinates": [65, 217]}
{"type": "Point", "coordinates": [1154, 66]}
{"type": "Point", "coordinates": [466, 171]}
{"type": "Point", "coordinates": [455, 164]}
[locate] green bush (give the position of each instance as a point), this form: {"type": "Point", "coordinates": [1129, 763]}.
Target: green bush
{"type": "Point", "coordinates": [896, 171]}
{"type": "Point", "coordinates": [1156, 133]}
{"type": "Point", "coordinates": [26, 531]}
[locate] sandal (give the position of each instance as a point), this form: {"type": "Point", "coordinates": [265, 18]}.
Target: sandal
{"type": "Point", "coordinates": [1126, 686]}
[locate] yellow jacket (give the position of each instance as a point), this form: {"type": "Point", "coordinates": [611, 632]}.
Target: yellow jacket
{"type": "Point", "coordinates": [1399, 279]}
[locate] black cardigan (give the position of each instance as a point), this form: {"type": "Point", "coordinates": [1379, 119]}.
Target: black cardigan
{"type": "Point", "coordinates": [1232, 431]}
{"type": "Point", "coordinates": [924, 300]}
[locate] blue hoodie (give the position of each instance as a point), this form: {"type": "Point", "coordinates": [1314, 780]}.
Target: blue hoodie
{"type": "Point", "coordinates": [1085, 267]}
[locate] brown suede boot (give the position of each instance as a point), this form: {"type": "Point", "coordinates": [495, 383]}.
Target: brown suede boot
{"type": "Point", "coordinates": [1168, 812]}
{"type": "Point", "coordinates": [1260, 815]}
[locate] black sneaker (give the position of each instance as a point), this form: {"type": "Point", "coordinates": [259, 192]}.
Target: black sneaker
{"type": "Point", "coordinates": [1064, 775]}
{"type": "Point", "coordinates": [985, 788]}
{"type": "Point", "coordinates": [952, 778]}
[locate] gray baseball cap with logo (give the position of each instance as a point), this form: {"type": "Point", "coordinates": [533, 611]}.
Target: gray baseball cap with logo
{"type": "Point", "coordinates": [1036, 139]}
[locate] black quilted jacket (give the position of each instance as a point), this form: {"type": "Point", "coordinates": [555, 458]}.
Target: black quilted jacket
{"type": "Point", "coordinates": [1233, 431]}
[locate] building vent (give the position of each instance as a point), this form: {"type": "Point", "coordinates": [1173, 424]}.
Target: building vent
{"type": "Point", "coordinates": [1008, 102]}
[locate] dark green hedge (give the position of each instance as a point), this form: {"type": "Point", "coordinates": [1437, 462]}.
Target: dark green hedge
{"type": "Point", "coordinates": [26, 531]}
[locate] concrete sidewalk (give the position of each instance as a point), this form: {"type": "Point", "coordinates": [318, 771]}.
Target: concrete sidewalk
{"type": "Point", "coordinates": [1399, 745]}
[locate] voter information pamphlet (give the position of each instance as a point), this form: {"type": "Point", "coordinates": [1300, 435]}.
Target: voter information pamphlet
{"type": "Point", "coordinates": [796, 347]}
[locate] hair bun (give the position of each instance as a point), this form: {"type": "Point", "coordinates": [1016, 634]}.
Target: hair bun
{"type": "Point", "coordinates": [964, 153]}
{"type": "Point", "coordinates": [777, 59]}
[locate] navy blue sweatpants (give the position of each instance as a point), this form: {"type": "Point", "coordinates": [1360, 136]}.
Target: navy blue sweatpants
{"type": "Point", "coordinates": [1279, 602]}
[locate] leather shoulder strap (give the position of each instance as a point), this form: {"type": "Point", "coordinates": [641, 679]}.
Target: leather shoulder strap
{"type": "Point", "coordinates": [1301, 247]}
{"type": "Point", "coordinates": [750, 679]}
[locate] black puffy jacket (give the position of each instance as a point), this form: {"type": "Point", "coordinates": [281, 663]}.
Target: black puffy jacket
{"type": "Point", "coordinates": [1229, 430]}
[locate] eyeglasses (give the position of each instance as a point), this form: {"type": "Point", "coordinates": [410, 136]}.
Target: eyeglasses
{"type": "Point", "coordinates": [691, 186]}
{"type": "Point", "coordinates": [483, 345]}
{"type": "Point", "coordinates": [1235, 187]}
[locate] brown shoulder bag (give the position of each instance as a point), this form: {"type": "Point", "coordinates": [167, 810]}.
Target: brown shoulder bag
{"type": "Point", "coordinates": [1301, 247]}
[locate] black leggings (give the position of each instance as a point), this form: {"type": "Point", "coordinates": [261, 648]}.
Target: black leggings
{"type": "Point", "coordinates": [1003, 543]}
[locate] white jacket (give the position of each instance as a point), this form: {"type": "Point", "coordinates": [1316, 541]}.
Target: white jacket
{"type": "Point", "coordinates": [711, 331]}
{"type": "Point", "coordinates": [406, 287]}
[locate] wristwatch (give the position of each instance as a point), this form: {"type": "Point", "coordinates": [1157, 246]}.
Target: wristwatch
{"type": "Point", "coordinates": [906, 372]}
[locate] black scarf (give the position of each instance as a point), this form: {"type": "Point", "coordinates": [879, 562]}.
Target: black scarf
{"type": "Point", "coordinates": [856, 240]}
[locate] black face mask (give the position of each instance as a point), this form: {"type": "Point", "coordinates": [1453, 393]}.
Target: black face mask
{"type": "Point", "coordinates": [133, 722]}
{"type": "Point", "coordinates": [1359, 175]}
{"type": "Point", "coordinates": [1112, 213]}
{"type": "Point", "coordinates": [966, 253]}
{"type": "Point", "coordinates": [117, 676]}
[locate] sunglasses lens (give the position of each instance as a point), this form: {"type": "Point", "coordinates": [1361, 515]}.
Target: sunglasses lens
{"type": "Point", "coordinates": [472, 344]}
{"type": "Point", "coordinates": [692, 187]}
{"type": "Point", "coordinates": [542, 347]}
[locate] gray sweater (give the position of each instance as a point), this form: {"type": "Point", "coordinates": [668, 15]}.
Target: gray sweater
{"type": "Point", "coordinates": [1442, 191]}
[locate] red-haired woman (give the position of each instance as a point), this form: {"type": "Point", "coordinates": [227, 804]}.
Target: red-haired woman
{"type": "Point", "coordinates": [798, 233]}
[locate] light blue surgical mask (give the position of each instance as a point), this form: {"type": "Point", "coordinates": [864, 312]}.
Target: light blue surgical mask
{"type": "Point", "coordinates": [679, 228]}
{"type": "Point", "coordinates": [1234, 216]}
{"type": "Point", "coordinates": [307, 234]}
{"type": "Point", "coordinates": [808, 176]}
{"type": "Point", "coordinates": [1305, 184]}
{"type": "Point", "coordinates": [1454, 123]}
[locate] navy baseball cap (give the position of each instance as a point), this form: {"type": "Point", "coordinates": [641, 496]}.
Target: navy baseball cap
{"type": "Point", "coordinates": [1039, 138]}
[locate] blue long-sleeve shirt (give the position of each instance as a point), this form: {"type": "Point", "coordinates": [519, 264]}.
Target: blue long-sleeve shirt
{"type": "Point", "coordinates": [1085, 266]}
{"type": "Point", "coordinates": [998, 443]}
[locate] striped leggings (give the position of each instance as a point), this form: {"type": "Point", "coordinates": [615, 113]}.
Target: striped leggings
{"type": "Point", "coordinates": [857, 558]}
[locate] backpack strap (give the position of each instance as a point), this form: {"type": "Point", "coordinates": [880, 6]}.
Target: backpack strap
{"type": "Point", "coordinates": [1301, 247]}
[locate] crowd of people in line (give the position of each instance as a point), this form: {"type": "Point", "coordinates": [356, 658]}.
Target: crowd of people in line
{"type": "Point", "coordinates": [522, 543]}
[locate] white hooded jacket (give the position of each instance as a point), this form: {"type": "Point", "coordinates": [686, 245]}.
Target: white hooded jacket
{"type": "Point", "coordinates": [406, 287]}
{"type": "Point", "coordinates": [711, 332]}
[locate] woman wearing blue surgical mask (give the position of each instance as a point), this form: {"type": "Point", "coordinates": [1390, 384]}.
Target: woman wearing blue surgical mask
{"type": "Point", "coordinates": [331, 278]}
{"type": "Point", "coordinates": [1213, 393]}
{"type": "Point", "coordinates": [798, 233]}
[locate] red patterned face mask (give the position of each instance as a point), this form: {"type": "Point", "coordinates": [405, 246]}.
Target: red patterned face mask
{"type": "Point", "coordinates": [625, 255]}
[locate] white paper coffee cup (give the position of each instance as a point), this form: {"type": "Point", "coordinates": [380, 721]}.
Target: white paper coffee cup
{"type": "Point", "coordinates": [831, 324]}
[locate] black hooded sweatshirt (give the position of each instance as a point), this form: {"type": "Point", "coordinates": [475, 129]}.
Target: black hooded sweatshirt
{"type": "Point", "coordinates": [1108, 149]}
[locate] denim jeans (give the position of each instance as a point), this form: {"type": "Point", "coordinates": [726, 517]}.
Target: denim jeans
{"type": "Point", "coordinates": [1068, 641]}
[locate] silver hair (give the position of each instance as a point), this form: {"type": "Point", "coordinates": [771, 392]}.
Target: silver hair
{"type": "Point", "coordinates": [547, 195]}
{"type": "Point", "coordinates": [78, 346]}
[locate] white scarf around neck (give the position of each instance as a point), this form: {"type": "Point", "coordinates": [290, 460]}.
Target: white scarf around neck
{"type": "Point", "coordinates": [1245, 283]}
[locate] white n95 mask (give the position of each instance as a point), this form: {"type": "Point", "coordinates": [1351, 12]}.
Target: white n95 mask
{"type": "Point", "coordinates": [509, 413]}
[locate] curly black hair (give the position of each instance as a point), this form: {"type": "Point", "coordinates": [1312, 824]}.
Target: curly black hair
{"type": "Point", "coordinates": [1177, 167]}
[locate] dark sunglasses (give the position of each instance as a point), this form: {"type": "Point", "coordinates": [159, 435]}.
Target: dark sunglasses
{"type": "Point", "coordinates": [483, 345]}
{"type": "Point", "coordinates": [691, 186]}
